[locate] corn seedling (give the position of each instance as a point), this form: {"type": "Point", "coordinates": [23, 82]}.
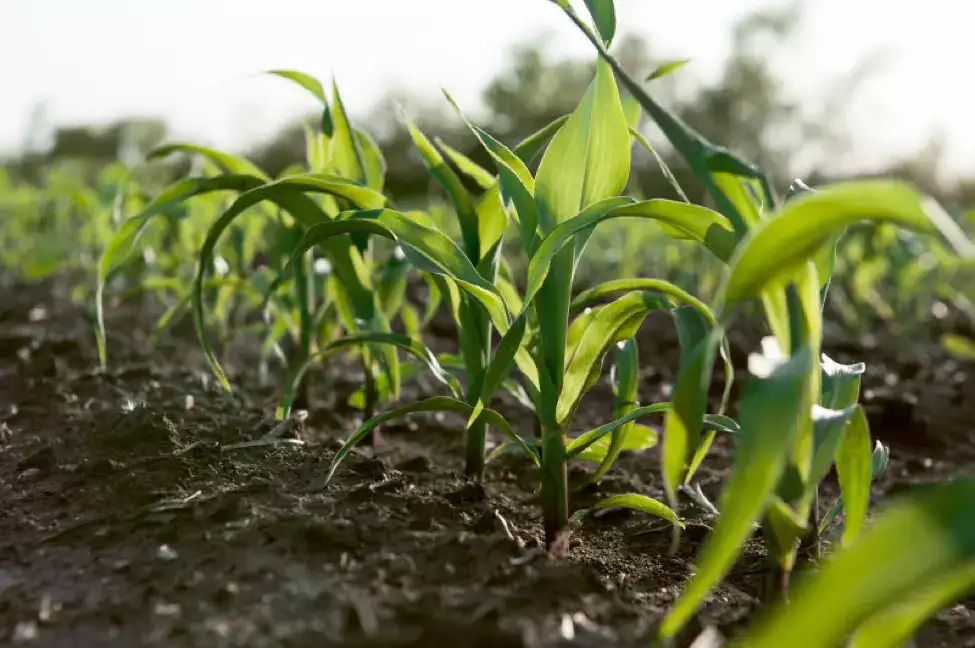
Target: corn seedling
{"type": "Point", "coordinates": [345, 289]}
{"type": "Point", "coordinates": [798, 416]}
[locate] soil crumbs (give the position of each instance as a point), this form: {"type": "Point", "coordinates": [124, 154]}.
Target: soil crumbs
{"type": "Point", "coordinates": [142, 506]}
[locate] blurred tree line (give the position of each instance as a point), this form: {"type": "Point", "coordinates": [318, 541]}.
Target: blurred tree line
{"type": "Point", "coordinates": [748, 108]}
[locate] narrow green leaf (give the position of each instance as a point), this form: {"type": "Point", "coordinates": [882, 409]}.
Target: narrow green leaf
{"type": "Point", "coordinates": [640, 503]}
{"type": "Point", "coordinates": [532, 146]}
{"type": "Point", "coordinates": [639, 437]}
{"type": "Point", "coordinates": [429, 249]}
{"type": "Point", "coordinates": [853, 471]}
{"type": "Point", "coordinates": [604, 18]}
{"type": "Point", "coordinates": [682, 425]}
{"type": "Point", "coordinates": [346, 154]}
{"type": "Point", "coordinates": [958, 346]}
{"type": "Point", "coordinates": [626, 381]}
{"type": "Point", "coordinates": [779, 246]}
{"type": "Point", "coordinates": [516, 181]}
{"type": "Point", "coordinates": [434, 404]}
{"type": "Point", "coordinates": [577, 445]}
{"type": "Point", "coordinates": [768, 427]}
{"type": "Point", "coordinates": [616, 322]}
{"type": "Point", "coordinates": [894, 627]}
{"type": "Point", "coordinates": [664, 69]}
{"type": "Point", "coordinates": [230, 163]}
{"type": "Point", "coordinates": [314, 86]}
{"type": "Point", "coordinates": [123, 242]}
{"type": "Point", "coordinates": [467, 166]}
{"type": "Point", "coordinates": [929, 537]}
{"type": "Point", "coordinates": [369, 338]}
{"type": "Point", "coordinates": [459, 197]}
{"type": "Point", "coordinates": [585, 162]}
{"type": "Point", "coordinates": [828, 435]}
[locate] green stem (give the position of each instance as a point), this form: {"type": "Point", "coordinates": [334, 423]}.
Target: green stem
{"type": "Point", "coordinates": [371, 396]}
{"type": "Point", "coordinates": [477, 359]}
{"type": "Point", "coordinates": [554, 485]}
{"type": "Point", "coordinates": [304, 293]}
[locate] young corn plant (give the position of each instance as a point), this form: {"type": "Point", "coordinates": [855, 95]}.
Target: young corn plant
{"type": "Point", "coordinates": [362, 296]}
{"type": "Point", "coordinates": [577, 185]}
{"type": "Point", "coordinates": [798, 414]}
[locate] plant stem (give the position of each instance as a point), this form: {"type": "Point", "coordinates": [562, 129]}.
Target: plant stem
{"type": "Point", "coordinates": [304, 292]}
{"type": "Point", "coordinates": [371, 396]}
{"type": "Point", "coordinates": [554, 485]}
{"type": "Point", "coordinates": [477, 359]}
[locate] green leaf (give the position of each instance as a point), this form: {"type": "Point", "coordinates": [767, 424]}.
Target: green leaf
{"type": "Point", "coordinates": [585, 161]}
{"type": "Point", "coordinates": [429, 249]}
{"type": "Point", "coordinates": [616, 322]}
{"type": "Point", "coordinates": [346, 153]}
{"type": "Point", "coordinates": [288, 193]}
{"type": "Point", "coordinates": [783, 244]}
{"type": "Point", "coordinates": [530, 147]}
{"type": "Point", "coordinates": [368, 338]}
{"type": "Point", "coordinates": [604, 18]}
{"type": "Point", "coordinates": [229, 163]}
{"type": "Point", "coordinates": [769, 422]}
{"type": "Point", "coordinates": [840, 383]}
{"type": "Point", "coordinates": [893, 627]}
{"type": "Point", "coordinates": [640, 437]}
{"type": "Point", "coordinates": [682, 425]}
{"type": "Point", "coordinates": [626, 381]}
{"type": "Point", "coordinates": [516, 181]}
{"type": "Point", "coordinates": [122, 243]}
{"type": "Point", "coordinates": [958, 346]}
{"type": "Point", "coordinates": [689, 144]}
{"type": "Point", "coordinates": [640, 503]}
{"type": "Point", "coordinates": [923, 542]}
{"type": "Point", "coordinates": [434, 404]}
{"type": "Point", "coordinates": [828, 435]}
{"type": "Point", "coordinates": [374, 161]}
{"type": "Point", "coordinates": [314, 86]}
{"type": "Point", "coordinates": [668, 174]}
{"type": "Point", "coordinates": [666, 68]}
{"type": "Point", "coordinates": [853, 471]}
{"type": "Point", "coordinates": [459, 198]}
{"type": "Point", "coordinates": [577, 446]}
{"type": "Point", "coordinates": [467, 166]}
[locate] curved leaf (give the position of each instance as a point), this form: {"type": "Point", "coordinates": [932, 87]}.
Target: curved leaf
{"type": "Point", "coordinates": [467, 166]}
{"type": "Point", "coordinates": [287, 193]}
{"type": "Point", "coordinates": [516, 181]}
{"type": "Point", "coordinates": [230, 163]}
{"type": "Point", "coordinates": [641, 503]}
{"type": "Point", "coordinates": [121, 244]}
{"type": "Point", "coordinates": [429, 249]}
{"type": "Point", "coordinates": [780, 246]}
{"type": "Point", "coordinates": [314, 86]}
{"type": "Point", "coordinates": [893, 627]}
{"type": "Point", "coordinates": [612, 324]}
{"type": "Point", "coordinates": [769, 424]}
{"type": "Point", "coordinates": [414, 348]}
{"type": "Point", "coordinates": [434, 404]}
{"type": "Point", "coordinates": [929, 537]}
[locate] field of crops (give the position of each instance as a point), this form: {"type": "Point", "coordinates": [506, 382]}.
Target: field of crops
{"type": "Point", "coordinates": [252, 410]}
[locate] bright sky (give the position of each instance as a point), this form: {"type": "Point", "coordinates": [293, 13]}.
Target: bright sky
{"type": "Point", "coordinates": [194, 62]}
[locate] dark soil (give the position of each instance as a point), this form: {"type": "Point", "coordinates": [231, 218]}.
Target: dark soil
{"type": "Point", "coordinates": [128, 518]}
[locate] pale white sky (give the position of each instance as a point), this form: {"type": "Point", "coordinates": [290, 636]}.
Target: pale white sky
{"type": "Point", "coordinates": [194, 62]}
